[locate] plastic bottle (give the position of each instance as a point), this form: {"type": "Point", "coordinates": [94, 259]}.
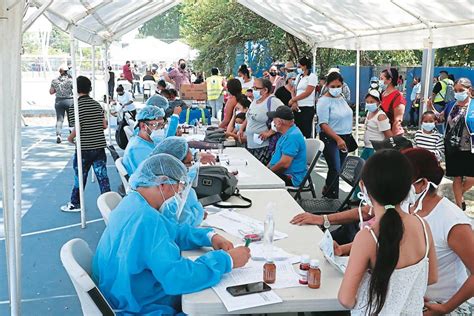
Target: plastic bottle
{"type": "Point", "coordinates": [268, 233]}
{"type": "Point", "coordinates": [269, 272]}
{"type": "Point", "coordinates": [314, 274]}
{"type": "Point", "coordinates": [304, 268]}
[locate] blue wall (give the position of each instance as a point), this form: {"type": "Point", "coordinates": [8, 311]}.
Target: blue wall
{"type": "Point", "coordinates": [349, 75]}
{"type": "Point", "coordinates": [257, 56]}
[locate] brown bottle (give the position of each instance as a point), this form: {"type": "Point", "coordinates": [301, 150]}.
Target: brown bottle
{"type": "Point", "coordinates": [314, 275]}
{"type": "Point", "coordinates": [269, 272]}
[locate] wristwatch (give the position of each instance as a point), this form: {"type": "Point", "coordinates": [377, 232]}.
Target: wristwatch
{"type": "Point", "coordinates": [326, 223]}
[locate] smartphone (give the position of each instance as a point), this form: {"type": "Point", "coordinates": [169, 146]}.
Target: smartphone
{"type": "Point", "coordinates": [251, 288]}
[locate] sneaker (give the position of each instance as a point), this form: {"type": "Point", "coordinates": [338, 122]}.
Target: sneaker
{"type": "Point", "coordinates": [70, 208]}
{"type": "Point", "coordinates": [58, 139]}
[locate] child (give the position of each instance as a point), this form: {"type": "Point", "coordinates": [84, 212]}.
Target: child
{"type": "Point", "coordinates": [428, 137]}
{"type": "Point", "coordinates": [377, 125]}
{"type": "Point", "coordinates": [238, 118]}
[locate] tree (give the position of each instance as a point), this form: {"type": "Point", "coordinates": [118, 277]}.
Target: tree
{"type": "Point", "coordinates": [462, 55]}
{"type": "Point", "coordinates": [165, 27]}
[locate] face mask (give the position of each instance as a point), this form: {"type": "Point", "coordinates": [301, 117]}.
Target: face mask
{"type": "Point", "coordinates": [382, 85]}
{"type": "Point", "coordinates": [182, 66]}
{"type": "Point", "coordinates": [157, 135]}
{"type": "Point", "coordinates": [374, 85]}
{"type": "Point", "coordinates": [413, 197]}
{"type": "Point", "coordinates": [193, 174]}
{"type": "Point", "coordinates": [428, 126]}
{"type": "Point", "coordinates": [256, 94]}
{"type": "Point", "coordinates": [237, 127]}
{"type": "Point", "coordinates": [335, 92]}
{"type": "Point", "coordinates": [371, 107]}
{"type": "Point", "coordinates": [273, 74]}
{"type": "Point", "coordinates": [363, 195]}
{"type": "Point", "coordinates": [299, 71]}
{"type": "Point", "coordinates": [409, 200]}
{"type": "Point", "coordinates": [460, 96]}
{"type": "Point", "coordinates": [274, 128]}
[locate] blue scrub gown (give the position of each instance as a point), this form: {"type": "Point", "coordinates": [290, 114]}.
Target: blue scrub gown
{"type": "Point", "coordinates": [193, 211]}
{"type": "Point", "coordinates": [138, 264]}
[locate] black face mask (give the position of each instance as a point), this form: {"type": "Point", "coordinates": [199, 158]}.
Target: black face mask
{"type": "Point", "coordinates": [273, 74]}
{"type": "Point", "coordinates": [182, 66]}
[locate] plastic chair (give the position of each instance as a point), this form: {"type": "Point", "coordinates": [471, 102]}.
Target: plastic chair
{"type": "Point", "coordinates": [314, 148]}
{"type": "Point", "coordinates": [149, 86]}
{"type": "Point", "coordinates": [123, 173]}
{"type": "Point", "coordinates": [76, 257]}
{"type": "Point", "coordinates": [128, 131]}
{"type": "Point", "coordinates": [350, 173]}
{"type": "Point", "coordinates": [106, 203]}
{"type": "Point", "coordinates": [127, 86]}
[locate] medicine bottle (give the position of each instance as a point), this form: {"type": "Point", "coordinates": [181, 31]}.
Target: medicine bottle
{"type": "Point", "coordinates": [269, 272]}
{"type": "Point", "coordinates": [304, 268]}
{"type": "Point", "coordinates": [314, 274]}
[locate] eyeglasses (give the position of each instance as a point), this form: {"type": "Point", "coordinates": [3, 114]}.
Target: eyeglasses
{"type": "Point", "coordinates": [258, 88]}
{"type": "Point", "coordinates": [156, 125]}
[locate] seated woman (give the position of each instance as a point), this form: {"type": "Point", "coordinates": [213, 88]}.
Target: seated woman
{"type": "Point", "coordinates": [138, 264]}
{"type": "Point", "coordinates": [392, 261]}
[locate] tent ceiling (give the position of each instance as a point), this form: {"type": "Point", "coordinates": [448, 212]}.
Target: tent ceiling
{"type": "Point", "coordinates": [344, 24]}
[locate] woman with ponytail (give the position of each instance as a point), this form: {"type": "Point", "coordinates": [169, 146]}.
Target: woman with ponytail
{"type": "Point", "coordinates": [392, 262]}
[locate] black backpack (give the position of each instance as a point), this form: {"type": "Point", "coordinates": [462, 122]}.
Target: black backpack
{"type": "Point", "coordinates": [218, 184]}
{"type": "Point", "coordinates": [120, 135]}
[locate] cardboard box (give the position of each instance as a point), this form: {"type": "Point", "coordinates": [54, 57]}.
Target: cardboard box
{"type": "Point", "coordinates": [194, 92]}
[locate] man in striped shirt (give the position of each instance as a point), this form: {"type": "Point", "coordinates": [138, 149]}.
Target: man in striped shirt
{"type": "Point", "coordinates": [428, 137]}
{"type": "Point", "coordinates": [92, 123]}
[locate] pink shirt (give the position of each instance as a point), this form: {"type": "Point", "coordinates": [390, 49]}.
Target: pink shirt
{"type": "Point", "coordinates": [179, 76]}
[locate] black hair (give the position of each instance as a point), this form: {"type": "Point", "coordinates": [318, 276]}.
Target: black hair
{"type": "Point", "coordinates": [241, 116]}
{"type": "Point", "coordinates": [392, 75]}
{"type": "Point", "coordinates": [267, 84]}
{"type": "Point", "coordinates": [305, 61]}
{"type": "Point", "coordinates": [234, 87]}
{"type": "Point", "coordinates": [249, 90]}
{"type": "Point", "coordinates": [110, 67]}
{"type": "Point", "coordinates": [428, 113]}
{"type": "Point", "coordinates": [214, 71]}
{"type": "Point", "coordinates": [181, 59]}
{"type": "Point", "coordinates": [173, 92]}
{"type": "Point", "coordinates": [322, 78]}
{"type": "Point", "coordinates": [387, 186]}
{"type": "Point", "coordinates": [84, 85]}
{"type": "Point", "coordinates": [162, 83]}
{"type": "Point", "coordinates": [244, 70]}
{"type": "Point", "coordinates": [451, 76]}
{"type": "Point", "coordinates": [244, 102]}
{"type": "Point", "coordinates": [165, 92]}
{"type": "Point", "coordinates": [425, 165]}
{"type": "Point", "coordinates": [333, 76]}
{"type": "Point", "coordinates": [127, 62]}
{"type": "Point", "coordinates": [119, 88]}
{"type": "Point", "coordinates": [443, 72]}
{"type": "Point", "coordinates": [418, 79]}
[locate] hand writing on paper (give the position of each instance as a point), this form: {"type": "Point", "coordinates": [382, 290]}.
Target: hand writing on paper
{"type": "Point", "coordinates": [240, 256]}
{"type": "Point", "coordinates": [219, 242]}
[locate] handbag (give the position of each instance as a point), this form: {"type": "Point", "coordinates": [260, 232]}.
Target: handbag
{"type": "Point", "coordinates": [351, 143]}
{"type": "Point", "coordinates": [217, 181]}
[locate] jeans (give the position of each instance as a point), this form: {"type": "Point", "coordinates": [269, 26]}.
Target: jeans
{"type": "Point", "coordinates": [365, 154]}
{"type": "Point", "coordinates": [439, 107]}
{"type": "Point", "coordinates": [334, 159]}
{"type": "Point", "coordinates": [111, 90]}
{"type": "Point", "coordinates": [414, 116]}
{"type": "Point", "coordinates": [136, 86]}
{"type": "Point", "coordinates": [304, 120]}
{"type": "Point", "coordinates": [96, 159]}
{"type": "Point", "coordinates": [61, 106]}
{"type": "Point", "coordinates": [216, 105]}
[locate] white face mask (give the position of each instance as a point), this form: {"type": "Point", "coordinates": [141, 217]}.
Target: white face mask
{"type": "Point", "coordinates": [364, 200]}
{"type": "Point", "coordinates": [414, 197]}
{"type": "Point", "coordinates": [274, 128]}
{"type": "Point", "coordinates": [374, 85]}
{"type": "Point", "coordinates": [157, 135]}
{"type": "Point", "coordinates": [460, 96]}
{"type": "Point", "coordinates": [335, 92]}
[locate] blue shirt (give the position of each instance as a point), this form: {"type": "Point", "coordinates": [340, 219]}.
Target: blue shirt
{"type": "Point", "coordinates": [292, 144]}
{"type": "Point", "coordinates": [336, 113]}
{"type": "Point", "coordinates": [138, 264]}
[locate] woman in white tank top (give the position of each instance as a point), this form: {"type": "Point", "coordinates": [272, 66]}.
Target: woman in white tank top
{"type": "Point", "coordinates": [391, 263]}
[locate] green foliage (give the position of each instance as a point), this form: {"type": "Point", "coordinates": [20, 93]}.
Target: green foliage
{"type": "Point", "coordinates": [165, 27]}
{"type": "Point", "coordinates": [58, 41]}
{"type": "Point", "coordinates": [462, 55]}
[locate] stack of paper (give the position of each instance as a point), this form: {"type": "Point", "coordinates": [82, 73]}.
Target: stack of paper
{"type": "Point", "coordinates": [257, 252]}
{"type": "Point", "coordinates": [327, 247]}
{"type": "Point", "coordinates": [238, 225]}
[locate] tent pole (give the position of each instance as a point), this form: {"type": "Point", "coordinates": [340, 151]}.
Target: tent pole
{"type": "Point", "coordinates": [313, 128]}
{"type": "Point", "coordinates": [428, 67]}
{"type": "Point", "coordinates": [357, 109]}
{"type": "Point", "coordinates": [77, 127]}
{"type": "Point", "coordinates": [107, 98]}
{"type": "Point", "coordinates": [93, 72]}
{"type": "Point", "coordinates": [10, 130]}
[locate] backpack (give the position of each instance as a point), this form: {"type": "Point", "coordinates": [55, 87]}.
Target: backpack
{"type": "Point", "coordinates": [120, 135]}
{"type": "Point", "coordinates": [215, 135]}
{"type": "Point", "coordinates": [217, 182]}
{"type": "Point", "coordinates": [449, 96]}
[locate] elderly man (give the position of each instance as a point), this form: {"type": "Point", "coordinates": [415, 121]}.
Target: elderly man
{"type": "Point", "coordinates": [138, 264]}
{"type": "Point", "coordinates": [289, 159]}
{"type": "Point", "coordinates": [151, 131]}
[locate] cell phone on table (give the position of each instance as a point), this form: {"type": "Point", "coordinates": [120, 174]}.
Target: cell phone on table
{"type": "Point", "coordinates": [250, 288]}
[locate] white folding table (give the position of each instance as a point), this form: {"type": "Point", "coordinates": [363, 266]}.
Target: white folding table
{"type": "Point", "coordinates": [301, 240]}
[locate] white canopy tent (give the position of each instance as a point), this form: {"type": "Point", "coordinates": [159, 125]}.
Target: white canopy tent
{"type": "Point", "coordinates": [345, 24]}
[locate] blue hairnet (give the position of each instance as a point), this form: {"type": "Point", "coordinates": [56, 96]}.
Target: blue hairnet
{"type": "Point", "coordinates": [150, 113]}
{"type": "Point", "coordinates": [174, 145]}
{"type": "Point", "coordinates": [158, 169]}
{"type": "Point", "coordinates": [375, 79]}
{"type": "Point", "coordinates": [158, 101]}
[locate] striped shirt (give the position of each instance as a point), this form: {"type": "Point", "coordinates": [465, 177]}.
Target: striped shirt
{"type": "Point", "coordinates": [91, 116]}
{"type": "Point", "coordinates": [433, 142]}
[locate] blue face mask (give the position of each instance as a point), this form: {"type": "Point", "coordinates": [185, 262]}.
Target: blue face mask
{"type": "Point", "coordinates": [256, 94]}
{"type": "Point", "coordinates": [428, 126]}
{"type": "Point", "coordinates": [371, 107]}
{"type": "Point", "coordinates": [237, 127]}
{"type": "Point", "coordinates": [157, 135]}
{"type": "Point", "coordinates": [299, 71]}
{"type": "Point", "coordinates": [460, 96]}
{"type": "Point", "coordinates": [382, 85]}
{"type": "Point", "coordinates": [335, 92]}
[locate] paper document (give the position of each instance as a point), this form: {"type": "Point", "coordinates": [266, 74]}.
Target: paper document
{"type": "Point", "coordinates": [257, 140]}
{"type": "Point", "coordinates": [238, 225]}
{"type": "Point", "coordinates": [198, 137]}
{"type": "Point", "coordinates": [257, 252]}
{"type": "Point", "coordinates": [327, 247]}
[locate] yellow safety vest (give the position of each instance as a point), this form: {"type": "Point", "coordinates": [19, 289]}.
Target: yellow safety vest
{"type": "Point", "coordinates": [214, 87]}
{"type": "Point", "coordinates": [442, 93]}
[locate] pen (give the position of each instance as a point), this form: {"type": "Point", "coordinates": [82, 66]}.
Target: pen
{"type": "Point", "coordinates": [247, 242]}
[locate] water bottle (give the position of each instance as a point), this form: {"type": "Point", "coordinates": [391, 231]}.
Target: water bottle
{"type": "Point", "coordinates": [268, 233]}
